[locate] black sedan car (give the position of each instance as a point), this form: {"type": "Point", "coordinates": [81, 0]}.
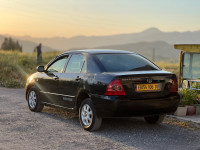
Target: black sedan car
{"type": "Point", "coordinates": [104, 83]}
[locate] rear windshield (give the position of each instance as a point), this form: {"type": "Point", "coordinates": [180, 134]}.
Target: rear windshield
{"type": "Point", "coordinates": [125, 62]}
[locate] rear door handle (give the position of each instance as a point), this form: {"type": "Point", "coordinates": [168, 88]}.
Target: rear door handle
{"type": "Point", "coordinates": [55, 77]}
{"type": "Point", "coordinates": [78, 78]}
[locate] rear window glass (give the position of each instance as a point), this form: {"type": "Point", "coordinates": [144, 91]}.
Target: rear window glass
{"type": "Point", "coordinates": [125, 62]}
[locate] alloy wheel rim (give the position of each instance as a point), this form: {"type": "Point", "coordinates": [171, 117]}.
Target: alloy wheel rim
{"type": "Point", "coordinates": [32, 99]}
{"type": "Point", "coordinates": [86, 115]}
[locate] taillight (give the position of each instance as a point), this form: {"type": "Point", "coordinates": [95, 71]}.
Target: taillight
{"type": "Point", "coordinates": [115, 88]}
{"type": "Point", "coordinates": [174, 85]}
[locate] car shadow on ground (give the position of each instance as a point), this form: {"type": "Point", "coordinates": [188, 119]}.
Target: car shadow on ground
{"type": "Point", "coordinates": [59, 114]}
{"type": "Point", "coordinates": [108, 124]}
{"type": "Point", "coordinates": [135, 132]}
{"type": "Point", "coordinates": [132, 132]}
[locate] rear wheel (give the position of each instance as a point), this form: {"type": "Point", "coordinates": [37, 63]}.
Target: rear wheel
{"type": "Point", "coordinates": [156, 119]}
{"type": "Point", "coordinates": [87, 116]}
{"type": "Point", "coordinates": [34, 102]}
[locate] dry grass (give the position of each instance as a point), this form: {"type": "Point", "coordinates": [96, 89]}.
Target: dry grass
{"type": "Point", "coordinates": [16, 66]}
{"type": "Point", "coordinates": [171, 67]}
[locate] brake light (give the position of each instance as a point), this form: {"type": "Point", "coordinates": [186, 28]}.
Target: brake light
{"type": "Point", "coordinates": [115, 88]}
{"type": "Point", "coordinates": [174, 85]}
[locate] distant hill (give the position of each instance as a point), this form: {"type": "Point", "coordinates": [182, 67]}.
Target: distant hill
{"type": "Point", "coordinates": [142, 42]}
{"type": "Point", "coordinates": [149, 35]}
{"type": "Point", "coordinates": [163, 50]}
{"type": "Point", "coordinates": [27, 46]}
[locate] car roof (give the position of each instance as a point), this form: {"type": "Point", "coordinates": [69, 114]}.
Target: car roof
{"type": "Point", "coordinates": [97, 51]}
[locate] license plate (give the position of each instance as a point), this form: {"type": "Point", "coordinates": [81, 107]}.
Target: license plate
{"type": "Point", "coordinates": [148, 87]}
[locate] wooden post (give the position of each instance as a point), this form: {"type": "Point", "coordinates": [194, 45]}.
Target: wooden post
{"type": "Point", "coordinates": [180, 82]}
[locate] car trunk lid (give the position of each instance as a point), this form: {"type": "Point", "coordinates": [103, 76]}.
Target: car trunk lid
{"type": "Point", "coordinates": [145, 84]}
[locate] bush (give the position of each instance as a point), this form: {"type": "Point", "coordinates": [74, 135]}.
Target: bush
{"type": "Point", "coordinates": [196, 86]}
{"type": "Point", "coordinates": [189, 97]}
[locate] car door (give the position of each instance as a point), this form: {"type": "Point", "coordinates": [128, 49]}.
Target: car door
{"type": "Point", "coordinates": [49, 82]}
{"type": "Point", "coordinates": [71, 80]}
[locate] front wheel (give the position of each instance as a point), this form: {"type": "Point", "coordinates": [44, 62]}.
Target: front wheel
{"type": "Point", "coordinates": [34, 102]}
{"type": "Point", "coordinates": [156, 119]}
{"type": "Point", "coordinates": [87, 116]}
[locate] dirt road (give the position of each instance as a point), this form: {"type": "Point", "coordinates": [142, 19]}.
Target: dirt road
{"type": "Point", "coordinates": [57, 129]}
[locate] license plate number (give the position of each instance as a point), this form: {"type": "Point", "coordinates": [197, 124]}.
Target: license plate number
{"type": "Point", "coordinates": [148, 87]}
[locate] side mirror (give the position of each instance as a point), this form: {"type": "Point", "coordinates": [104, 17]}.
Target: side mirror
{"type": "Point", "coordinates": [40, 69]}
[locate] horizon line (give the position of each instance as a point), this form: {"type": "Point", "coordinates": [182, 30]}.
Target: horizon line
{"type": "Point", "coordinates": [151, 28]}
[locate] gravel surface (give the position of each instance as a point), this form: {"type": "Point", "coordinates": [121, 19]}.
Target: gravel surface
{"type": "Point", "coordinates": [58, 129]}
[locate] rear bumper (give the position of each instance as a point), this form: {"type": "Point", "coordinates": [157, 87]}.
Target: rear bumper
{"type": "Point", "coordinates": [115, 107]}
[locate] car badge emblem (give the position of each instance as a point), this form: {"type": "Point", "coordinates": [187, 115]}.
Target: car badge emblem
{"type": "Point", "coordinates": [149, 80]}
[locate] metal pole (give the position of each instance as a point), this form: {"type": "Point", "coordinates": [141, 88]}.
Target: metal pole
{"type": "Point", "coordinates": [153, 55]}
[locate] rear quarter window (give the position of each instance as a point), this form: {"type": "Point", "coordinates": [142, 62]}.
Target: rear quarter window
{"type": "Point", "coordinates": [125, 62]}
{"type": "Point", "coordinates": [92, 65]}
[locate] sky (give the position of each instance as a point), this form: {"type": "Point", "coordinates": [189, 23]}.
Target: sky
{"type": "Point", "coordinates": [68, 18]}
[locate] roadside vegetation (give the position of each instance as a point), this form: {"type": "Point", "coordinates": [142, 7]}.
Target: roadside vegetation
{"type": "Point", "coordinates": [10, 45]}
{"type": "Point", "coordinates": [169, 66]}
{"type": "Point", "coordinates": [15, 67]}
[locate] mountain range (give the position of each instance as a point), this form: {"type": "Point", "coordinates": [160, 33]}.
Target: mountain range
{"type": "Point", "coordinates": [143, 42]}
{"type": "Point", "coordinates": [162, 50]}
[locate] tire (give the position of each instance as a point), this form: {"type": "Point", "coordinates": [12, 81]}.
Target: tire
{"type": "Point", "coordinates": [156, 119]}
{"type": "Point", "coordinates": [87, 116]}
{"type": "Point", "coordinates": [34, 102]}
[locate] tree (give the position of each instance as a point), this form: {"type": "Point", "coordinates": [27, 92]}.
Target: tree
{"type": "Point", "coordinates": [10, 45]}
